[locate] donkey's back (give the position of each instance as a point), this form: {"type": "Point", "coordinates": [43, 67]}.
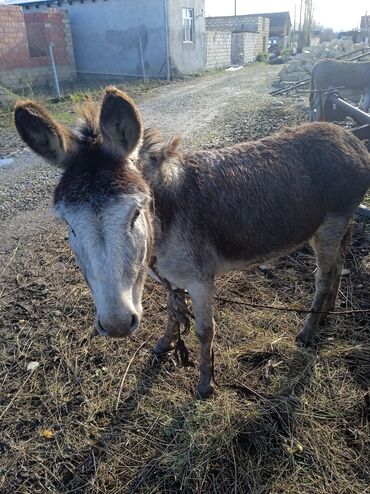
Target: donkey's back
{"type": "Point", "coordinates": [268, 196]}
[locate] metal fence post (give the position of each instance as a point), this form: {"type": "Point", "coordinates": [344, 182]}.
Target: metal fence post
{"type": "Point", "coordinates": [53, 67]}
{"type": "Point", "coordinates": [142, 59]}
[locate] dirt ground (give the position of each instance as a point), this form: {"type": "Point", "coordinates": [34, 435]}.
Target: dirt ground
{"type": "Point", "coordinates": [99, 416]}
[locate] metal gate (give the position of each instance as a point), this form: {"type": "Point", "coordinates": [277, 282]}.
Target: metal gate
{"type": "Point", "coordinates": [237, 49]}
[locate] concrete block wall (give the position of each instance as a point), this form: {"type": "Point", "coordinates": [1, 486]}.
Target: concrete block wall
{"type": "Point", "coordinates": [218, 45]}
{"type": "Point", "coordinates": [262, 41]}
{"type": "Point", "coordinates": [237, 23]}
{"type": "Point", "coordinates": [18, 68]}
{"type": "Point", "coordinates": [245, 47]}
{"type": "Point", "coordinates": [252, 46]}
{"type": "Point", "coordinates": [246, 37]}
{"type": "Point", "coordinates": [68, 42]}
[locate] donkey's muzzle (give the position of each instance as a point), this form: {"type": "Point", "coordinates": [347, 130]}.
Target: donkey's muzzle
{"type": "Point", "coordinates": [118, 329]}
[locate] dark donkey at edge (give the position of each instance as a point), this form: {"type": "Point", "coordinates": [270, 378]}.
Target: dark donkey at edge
{"type": "Point", "coordinates": [130, 199]}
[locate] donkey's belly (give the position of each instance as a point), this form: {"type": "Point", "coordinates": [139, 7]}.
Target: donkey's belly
{"type": "Point", "coordinates": [226, 265]}
{"type": "Point", "coordinates": [267, 240]}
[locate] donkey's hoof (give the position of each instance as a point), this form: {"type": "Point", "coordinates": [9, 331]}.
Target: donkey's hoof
{"type": "Point", "coordinates": [205, 392]}
{"type": "Point", "coordinates": [163, 346]}
{"type": "Point", "coordinates": [304, 338]}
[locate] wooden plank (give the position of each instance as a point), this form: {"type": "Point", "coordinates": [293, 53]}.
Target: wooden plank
{"type": "Point", "coordinates": [351, 53]}
{"type": "Point", "coordinates": [363, 55]}
{"type": "Point", "coordinates": [286, 89]}
{"type": "Point", "coordinates": [362, 132]}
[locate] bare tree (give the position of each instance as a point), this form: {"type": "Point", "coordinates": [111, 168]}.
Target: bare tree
{"type": "Point", "coordinates": [307, 21]}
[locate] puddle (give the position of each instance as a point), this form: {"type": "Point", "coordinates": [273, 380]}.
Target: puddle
{"type": "Point", "coordinates": [6, 161]}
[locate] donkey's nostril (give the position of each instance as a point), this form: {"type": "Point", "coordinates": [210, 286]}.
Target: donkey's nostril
{"type": "Point", "coordinates": [134, 322]}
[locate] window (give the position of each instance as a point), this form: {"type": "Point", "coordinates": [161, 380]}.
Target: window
{"type": "Point", "coordinates": [36, 37]}
{"type": "Point", "coordinates": [188, 25]}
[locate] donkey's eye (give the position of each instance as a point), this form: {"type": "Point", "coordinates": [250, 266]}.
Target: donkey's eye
{"type": "Point", "coordinates": [134, 218]}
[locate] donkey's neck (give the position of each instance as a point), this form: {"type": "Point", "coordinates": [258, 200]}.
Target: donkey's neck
{"type": "Point", "coordinates": [167, 193]}
{"type": "Point", "coordinates": [163, 176]}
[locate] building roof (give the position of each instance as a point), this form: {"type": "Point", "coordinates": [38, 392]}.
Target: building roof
{"type": "Point", "coordinates": [23, 2]}
{"type": "Point", "coordinates": [49, 3]}
{"type": "Point", "coordinates": [277, 19]}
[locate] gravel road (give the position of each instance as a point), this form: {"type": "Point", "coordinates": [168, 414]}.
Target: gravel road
{"type": "Point", "coordinates": [210, 111]}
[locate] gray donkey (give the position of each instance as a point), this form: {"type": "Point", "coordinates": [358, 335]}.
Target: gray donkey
{"type": "Point", "coordinates": [352, 77]}
{"type": "Point", "coordinates": [132, 202]}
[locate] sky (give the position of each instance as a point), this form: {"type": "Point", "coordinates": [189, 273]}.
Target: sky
{"type": "Point", "coordinates": [338, 14]}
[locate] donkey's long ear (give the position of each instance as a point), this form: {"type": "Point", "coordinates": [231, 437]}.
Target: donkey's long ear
{"type": "Point", "coordinates": [120, 122]}
{"type": "Point", "coordinates": [161, 162]}
{"type": "Point", "coordinates": [41, 133]}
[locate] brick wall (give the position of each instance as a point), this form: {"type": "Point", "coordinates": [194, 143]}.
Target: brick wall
{"type": "Point", "coordinates": [25, 38]}
{"type": "Point", "coordinates": [218, 44]}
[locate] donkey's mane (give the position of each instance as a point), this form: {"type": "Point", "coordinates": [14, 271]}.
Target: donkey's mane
{"type": "Point", "coordinates": [88, 128]}
{"type": "Point", "coordinates": [154, 147]}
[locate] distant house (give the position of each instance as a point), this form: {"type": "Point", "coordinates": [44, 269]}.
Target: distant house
{"type": "Point", "coordinates": [115, 38]}
{"type": "Point", "coordinates": [280, 27]}
{"type": "Point", "coordinates": [355, 35]}
{"type": "Point", "coordinates": [235, 40]}
{"type": "Point", "coordinates": [27, 44]}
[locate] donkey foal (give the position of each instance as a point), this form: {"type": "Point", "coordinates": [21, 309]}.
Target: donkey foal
{"type": "Point", "coordinates": [129, 199]}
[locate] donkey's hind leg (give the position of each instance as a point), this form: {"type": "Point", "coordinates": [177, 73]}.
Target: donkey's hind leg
{"type": "Point", "coordinates": [329, 244]}
{"type": "Point", "coordinates": [330, 306]}
{"type": "Point", "coordinates": [201, 294]}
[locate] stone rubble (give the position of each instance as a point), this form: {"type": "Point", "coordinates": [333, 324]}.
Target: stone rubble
{"type": "Point", "coordinates": [300, 66]}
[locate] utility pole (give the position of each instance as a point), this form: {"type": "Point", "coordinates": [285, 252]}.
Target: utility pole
{"type": "Point", "coordinates": [293, 35]}
{"type": "Point", "coordinates": [235, 7]}
{"type": "Point", "coordinates": [308, 21]}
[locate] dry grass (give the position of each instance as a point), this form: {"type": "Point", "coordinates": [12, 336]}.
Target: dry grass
{"type": "Point", "coordinates": [90, 420]}
{"type": "Point", "coordinates": [64, 109]}
{"type": "Point", "coordinates": [62, 429]}
{"type": "Point", "coordinates": [7, 98]}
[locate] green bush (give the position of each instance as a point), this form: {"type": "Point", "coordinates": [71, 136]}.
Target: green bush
{"type": "Point", "coordinates": [262, 57]}
{"type": "Point", "coordinates": [286, 52]}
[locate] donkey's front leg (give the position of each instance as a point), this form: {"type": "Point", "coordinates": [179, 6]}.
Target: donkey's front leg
{"type": "Point", "coordinates": [201, 295]}
{"type": "Point", "coordinates": [166, 342]}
